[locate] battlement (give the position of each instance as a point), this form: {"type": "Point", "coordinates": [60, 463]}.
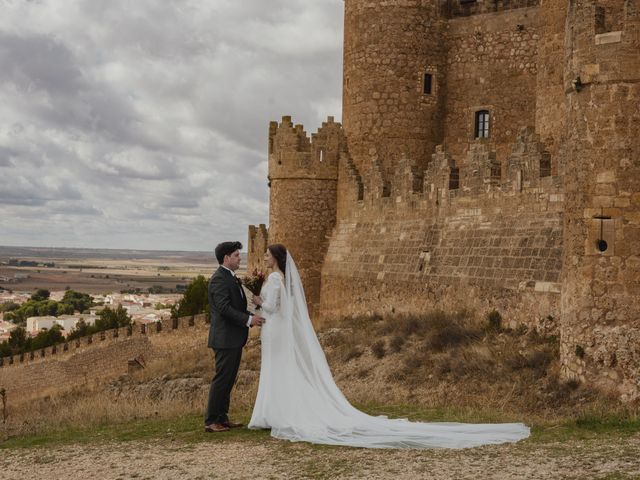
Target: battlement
{"type": "Point", "coordinates": [466, 8]}
{"type": "Point", "coordinates": [293, 154]}
{"type": "Point", "coordinates": [108, 337]}
{"type": "Point", "coordinates": [257, 245]}
{"type": "Point", "coordinates": [529, 167]}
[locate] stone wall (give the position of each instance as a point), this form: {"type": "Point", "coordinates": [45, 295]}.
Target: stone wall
{"type": "Point", "coordinates": [601, 295]}
{"type": "Point", "coordinates": [497, 245]}
{"type": "Point", "coordinates": [458, 8]}
{"type": "Point", "coordinates": [93, 360]}
{"type": "Point", "coordinates": [491, 65]}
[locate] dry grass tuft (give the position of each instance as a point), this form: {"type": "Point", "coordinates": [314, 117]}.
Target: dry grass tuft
{"type": "Point", "coordinates": [378, 349]}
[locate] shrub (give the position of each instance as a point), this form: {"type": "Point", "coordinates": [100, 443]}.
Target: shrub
{"type": "Point", "coordinates": [350, 353]}
{"type": "Point", "coordinates": [378, 349]}
{"type": "Point", "coordinates": [396, 343]}
{"type": "Point", "coordinates": [494, 321]}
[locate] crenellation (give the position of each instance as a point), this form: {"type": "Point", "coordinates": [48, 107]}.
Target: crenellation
{"type": "Point", "coordinates": [257, 245]}
{"type": "Point", "coordinates": [461, 8]}
{"type": "Point", "coordinates": [481, 171]}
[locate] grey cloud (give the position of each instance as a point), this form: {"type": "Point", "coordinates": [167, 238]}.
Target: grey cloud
{"type": "Point", "coordinates": [39, 62]}
{"type": "Point", "coordinates": [146, 121]}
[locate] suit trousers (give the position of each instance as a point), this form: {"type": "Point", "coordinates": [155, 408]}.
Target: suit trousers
{"type": "Point", "coordinates": [227, 365]}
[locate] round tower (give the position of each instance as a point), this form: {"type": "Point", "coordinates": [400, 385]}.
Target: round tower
{"type": "Point", "coordinates": [393, 81]}
{"type": "Point", "coordinates": [303, 177]}
{"type": "Point", "coordinates": [600, 325]}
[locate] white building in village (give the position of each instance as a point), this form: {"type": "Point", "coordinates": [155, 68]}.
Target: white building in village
{"type": "Point", "coordinates": [67, 322]}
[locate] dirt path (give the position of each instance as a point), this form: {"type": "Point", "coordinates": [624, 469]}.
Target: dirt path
{"type": "Point", "coordinates": [589, 459]}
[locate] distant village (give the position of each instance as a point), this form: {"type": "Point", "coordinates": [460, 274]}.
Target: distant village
{"type": "Point", "coordinates": [143, 308]}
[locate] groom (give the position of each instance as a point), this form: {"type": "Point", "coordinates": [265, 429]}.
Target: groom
{"type": "Point", "coordinates": [230, 323]}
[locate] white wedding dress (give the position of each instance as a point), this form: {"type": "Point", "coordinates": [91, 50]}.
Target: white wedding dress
{"type": "Point", "coordinates": [299, 400]}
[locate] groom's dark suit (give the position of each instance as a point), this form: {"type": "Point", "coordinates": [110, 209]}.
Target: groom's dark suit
{"type": "Point", "coordinates": [227, 335]}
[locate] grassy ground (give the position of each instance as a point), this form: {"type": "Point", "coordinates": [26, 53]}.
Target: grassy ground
{"type": "Point", "coordinates": [188, 428]}
{"type": "Point", "coordinates": [431, 368]}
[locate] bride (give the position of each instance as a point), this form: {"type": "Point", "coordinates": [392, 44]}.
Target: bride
{"type": "Point", "coordinates": [299, 400]}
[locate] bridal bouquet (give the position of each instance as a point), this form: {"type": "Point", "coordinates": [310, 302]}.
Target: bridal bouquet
{"type": "Point", "coordinates": [254, 281]}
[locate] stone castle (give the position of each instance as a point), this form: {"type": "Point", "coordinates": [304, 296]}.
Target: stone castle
{"type": "Point", "coordinates": [488, 159]}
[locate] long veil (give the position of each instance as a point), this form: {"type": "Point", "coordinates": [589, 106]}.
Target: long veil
{"type": "Point", "coordinates": [318, 412]}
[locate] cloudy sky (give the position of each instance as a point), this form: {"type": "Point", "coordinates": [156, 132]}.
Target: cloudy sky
{"type": "Point", "coordinates": [143, 124]}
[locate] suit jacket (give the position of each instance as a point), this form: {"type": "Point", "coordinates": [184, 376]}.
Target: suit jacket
{"type": "Point", "coordinates": [228, 309]}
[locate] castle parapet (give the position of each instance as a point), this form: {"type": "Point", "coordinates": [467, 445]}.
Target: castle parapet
{"type": "Point", "coordinates": [292, 154]}
{"type": "Point", "coordinates": [378, 186]}
{"type": "Point", "coordinates": [441, 176]}
{"type": "Point", "coordinates": [461, 8]}
{"type": "Point", "coordinates": [481, 172]}
{"type": "Point", "coordinates": [257, 245]}
{"type": "Point", "coordinates": [529, 161]}
{"type": "Point", "coordinates": [409, 180]}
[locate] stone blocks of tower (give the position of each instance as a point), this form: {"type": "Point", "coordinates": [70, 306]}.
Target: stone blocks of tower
{"type": "Point", "coordinates": [550, 99]}
{"type": "Point", "coordinates": [303, 175]}
{"type": "Point", "coordinates": [389, 48]}
{"type": "Point", "coordinates": [601, 273]}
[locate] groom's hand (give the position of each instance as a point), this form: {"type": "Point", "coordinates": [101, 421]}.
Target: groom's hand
{"type": "Point", "coordinates": [257, 321]}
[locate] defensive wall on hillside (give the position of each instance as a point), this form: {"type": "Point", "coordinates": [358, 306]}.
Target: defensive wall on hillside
{"type": "Point", "coordinates": [93, 360]}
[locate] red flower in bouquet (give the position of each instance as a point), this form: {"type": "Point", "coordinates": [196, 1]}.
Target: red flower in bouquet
{"type": "Point", "coordinates": [254, 281]}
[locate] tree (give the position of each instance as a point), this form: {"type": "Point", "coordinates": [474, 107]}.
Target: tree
{"type": "Point", "coordinates": [18, 338]}
{"type": "Point", "coordinates": [5, 349]}
{"type": "Point", "coordinates": [46, 338]}
{"type": "Point", "coordinates": [195, 299]}
{"type": "Point", "coordinates": [78, 301]}
{"type": "Point", "coordinates": [110, 318]}
{"type": "Point", "coordinates": [41, 294]}
{"type": "Point", "coordinates": [82, 329]}
{"type": "Point", "coordinates": [9, 306]}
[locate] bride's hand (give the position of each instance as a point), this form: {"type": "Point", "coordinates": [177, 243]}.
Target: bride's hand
{"type": "Point", "coordinates": [257, 300]}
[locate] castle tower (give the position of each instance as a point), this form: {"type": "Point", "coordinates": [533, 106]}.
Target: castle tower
{"type": "Point", "coordinates": [600, 326]}
{"type": "Point", "coordinates": [393, 83]}
{"type": "Point", "coordinates": [303, 175]}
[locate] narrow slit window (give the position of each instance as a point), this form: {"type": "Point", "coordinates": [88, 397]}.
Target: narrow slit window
{"type": "Point", "coordinates": [427, 87]}
{"type": "Point", "coordinates": [482, 124]}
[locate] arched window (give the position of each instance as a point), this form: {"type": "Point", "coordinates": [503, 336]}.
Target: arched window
{"type": "Point", "coordinates": [482, 124]}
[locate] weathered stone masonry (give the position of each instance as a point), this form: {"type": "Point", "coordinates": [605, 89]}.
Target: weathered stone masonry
{"type": "Point", "coordinates": [93, 360]}
{"type": "Point", "coordinates": [539, 219]}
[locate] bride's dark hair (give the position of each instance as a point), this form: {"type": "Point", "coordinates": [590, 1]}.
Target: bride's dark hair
{"type": "Point", "coordinates": [279, 252]}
